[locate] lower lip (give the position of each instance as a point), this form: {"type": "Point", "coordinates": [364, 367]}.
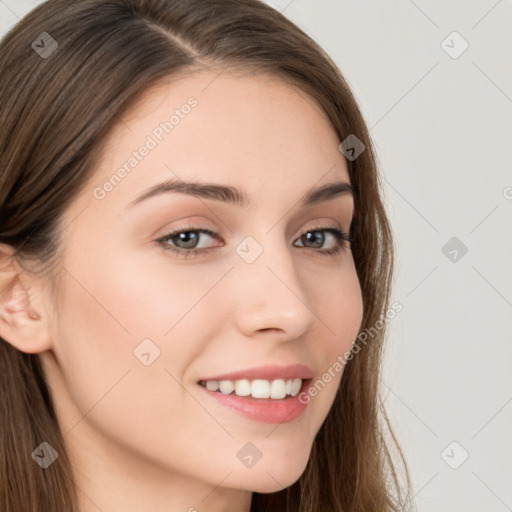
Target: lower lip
{"type": "Point", "coordinates": [265, 410]}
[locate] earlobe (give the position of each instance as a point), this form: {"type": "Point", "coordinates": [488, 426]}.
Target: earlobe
{"type": "Point", "coordinates": [22, 322]}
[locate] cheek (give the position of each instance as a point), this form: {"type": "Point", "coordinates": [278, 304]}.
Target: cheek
{"type": "Point", "coordinates": [94, 343]}
{"type": "Point", "coordinates": [339, 306]}
{"type": "Point", "coordinates": [153, 295]}
{"type": "Point", "coordinates": [104, 318]}
{"type": "Point", "coordinates": [117, 311]}
{"type": "Point", "coordinates": [337, 300]}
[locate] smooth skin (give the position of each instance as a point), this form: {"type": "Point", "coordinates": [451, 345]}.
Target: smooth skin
{"type": "Point", "coordinates": [146, 437]}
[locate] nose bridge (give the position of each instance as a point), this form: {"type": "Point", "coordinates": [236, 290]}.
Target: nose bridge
{"type": "Point", "coordinates": [269, 293]}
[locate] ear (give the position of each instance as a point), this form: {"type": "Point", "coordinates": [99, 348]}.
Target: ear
{"type": "Point", "coordinates": [23, 321]}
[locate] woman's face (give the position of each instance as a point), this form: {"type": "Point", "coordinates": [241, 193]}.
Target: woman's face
{"type": "Point", "coordinates": [141, 325]}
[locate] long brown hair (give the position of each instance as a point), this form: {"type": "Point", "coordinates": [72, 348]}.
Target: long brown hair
{"type": "Point", "coordinates": [55, 111]}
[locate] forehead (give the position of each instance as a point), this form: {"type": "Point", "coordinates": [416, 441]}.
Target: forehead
{"type": "Point", "coordinates": [255, 132]}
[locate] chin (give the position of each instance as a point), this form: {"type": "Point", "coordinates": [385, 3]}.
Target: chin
{"type": "Point", "coordinates": [274, 476]}
{"type": "Point", "coordinates": [268, 485]}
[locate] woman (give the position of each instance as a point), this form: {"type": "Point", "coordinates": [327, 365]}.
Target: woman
{"type": "Point", "coordinates": [192, 242]}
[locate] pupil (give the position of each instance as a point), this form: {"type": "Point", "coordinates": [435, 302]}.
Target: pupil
{"type": "Point", "coordinates": [317, 237]}
{"type": "Point", "coordinates": [189, 240]}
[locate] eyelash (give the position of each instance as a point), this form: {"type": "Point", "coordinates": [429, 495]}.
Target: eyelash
{"type": "Point", "coordinates": [340, 236]}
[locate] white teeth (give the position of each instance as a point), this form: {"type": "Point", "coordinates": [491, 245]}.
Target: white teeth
{"type": "Point", "coordinates": [296, 386]}
{"type": "Point", "coordinates": [242, 387]}
{"type": "Point", "coordinates": [226, 386]}
{"type": "Point", "coordinates": [212, 385]}
{"type": "Point", "coordinates": [278, 389]}
{"type": "Point", "coordinates": [258, 388]}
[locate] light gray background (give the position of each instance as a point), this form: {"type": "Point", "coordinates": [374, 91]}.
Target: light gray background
{"type": "Point", "coordinates": [443, 131]}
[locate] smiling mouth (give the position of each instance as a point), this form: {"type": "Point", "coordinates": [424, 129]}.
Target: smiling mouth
{"type": "Point", "coordinates": [277, 389]}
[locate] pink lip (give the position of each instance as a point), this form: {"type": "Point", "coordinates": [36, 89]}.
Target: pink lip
{"type": "Point", "coordinates": [268, 372]}
{"type": "Point", "coordinates": [265, 410]}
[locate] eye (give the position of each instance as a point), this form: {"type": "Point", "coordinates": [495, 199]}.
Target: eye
{"type": "Point", "coordinates": [185, 241]}
{"type": "Point", "coordinates": [316, 237]}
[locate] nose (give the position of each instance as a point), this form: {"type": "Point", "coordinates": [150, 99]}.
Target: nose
{"type": "Point", "coordinates": [270, 296]}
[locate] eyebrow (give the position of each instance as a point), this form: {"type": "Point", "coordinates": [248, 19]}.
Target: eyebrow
{"type": "Point", "coordinates": [237, 197]}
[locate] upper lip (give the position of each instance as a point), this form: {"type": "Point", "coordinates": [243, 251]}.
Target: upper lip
{"type": "Point", "coordinates": [268, 372]}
